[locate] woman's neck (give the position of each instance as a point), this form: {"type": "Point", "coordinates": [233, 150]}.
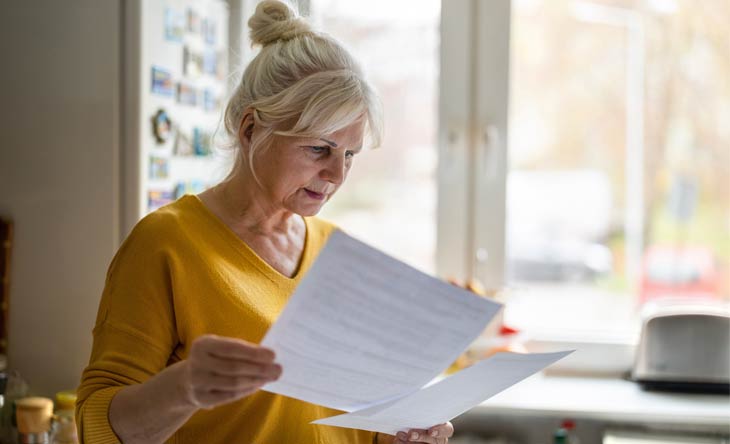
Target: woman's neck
{"type": "Point", "coordinates": [245, 207]}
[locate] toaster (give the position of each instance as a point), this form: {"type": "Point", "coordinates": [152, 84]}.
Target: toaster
{"type": "Point", "coordinates": [685, 347]}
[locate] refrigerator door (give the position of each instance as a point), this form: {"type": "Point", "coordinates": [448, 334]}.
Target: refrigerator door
{"type": "Point", "coordinates": [175, 88]}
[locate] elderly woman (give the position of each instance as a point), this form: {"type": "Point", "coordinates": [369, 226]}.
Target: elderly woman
{"type": "Point", "coordinates": [196, 285]}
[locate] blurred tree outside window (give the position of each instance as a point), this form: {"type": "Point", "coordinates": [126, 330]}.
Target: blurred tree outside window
{"type": "Point", "coordinates": [619, 113]}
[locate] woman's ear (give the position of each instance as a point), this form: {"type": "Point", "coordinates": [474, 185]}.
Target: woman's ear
{"type": "Point", "coordinates": [245, 131]}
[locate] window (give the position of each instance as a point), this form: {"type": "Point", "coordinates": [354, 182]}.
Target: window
{"type": "Point", "coordinates": [575, 153]}
{"type": "Point", "coordinates": [617, 187]}
{"type": "Point", "coordinates": [389, 200]}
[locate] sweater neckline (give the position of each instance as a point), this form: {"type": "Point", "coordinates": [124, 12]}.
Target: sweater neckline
{"type": "Point", "coordinates": [249, 252]}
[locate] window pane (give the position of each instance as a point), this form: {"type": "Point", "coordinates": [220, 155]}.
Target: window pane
{"type": "Point", "coordinates": [389, 199]}
{"type": "Point", "coordinates": [618, 188]}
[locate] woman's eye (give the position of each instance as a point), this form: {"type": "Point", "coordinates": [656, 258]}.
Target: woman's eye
{"type": "Point", "coordinates": [318, 149]}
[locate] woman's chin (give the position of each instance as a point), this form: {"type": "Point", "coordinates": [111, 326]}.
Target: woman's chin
{"type": "Point", "coordinates": [307, 210]}
{"type": "Point", "coordinates": [306, 206]}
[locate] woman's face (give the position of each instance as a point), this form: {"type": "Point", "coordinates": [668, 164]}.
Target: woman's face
{"type": "Point", "coordinates": [301, 174]}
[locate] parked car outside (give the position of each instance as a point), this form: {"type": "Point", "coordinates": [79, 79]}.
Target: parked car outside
{"type": "Point", "coordinates": [690, 272]}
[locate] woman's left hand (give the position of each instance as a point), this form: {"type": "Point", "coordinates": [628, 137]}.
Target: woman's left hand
{"type": "Point", "coordinates": [438, 434]}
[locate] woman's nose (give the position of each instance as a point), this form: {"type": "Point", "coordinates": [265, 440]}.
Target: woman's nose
{"type": "Point", "coordinates": [336, 170]}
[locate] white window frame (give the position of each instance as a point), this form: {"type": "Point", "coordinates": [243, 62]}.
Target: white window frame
{"type": "Point", "coordinates": [473, 118]}
{"type": "Point", "coordinates": [472, 157]}
{"type": "Point", "coordinates": [473, 167]}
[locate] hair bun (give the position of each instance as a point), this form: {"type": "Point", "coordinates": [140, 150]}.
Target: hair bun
{"type": "Point", "coordinates": [276, 20]}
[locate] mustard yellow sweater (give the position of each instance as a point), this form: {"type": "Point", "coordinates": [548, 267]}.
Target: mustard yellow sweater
{"type": "Point", "coordinates": [180, 274]}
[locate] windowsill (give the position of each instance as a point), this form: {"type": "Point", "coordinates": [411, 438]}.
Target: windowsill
{"type": "Point", "coordinates": [607, 357]}
{"type": "Point", "coordinates": [606, 399]}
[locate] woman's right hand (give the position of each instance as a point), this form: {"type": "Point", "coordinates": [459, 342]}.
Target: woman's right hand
{"type": "Point", "coordinates": [220, 370]}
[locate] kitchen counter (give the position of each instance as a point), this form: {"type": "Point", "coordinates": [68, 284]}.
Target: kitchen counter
{"type": "Point", "coordinates": [610, 400]}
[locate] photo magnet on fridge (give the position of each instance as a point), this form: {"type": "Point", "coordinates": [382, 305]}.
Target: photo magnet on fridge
{"type": "Point", "coordinates": [159, 168]}
{"type": "Point", "coordinates": [161, 126]}
{"type": "Point", "coordinates": [210, 62]}
{"type": "Point", "coordinates": [201, 142]}
{"type": "Point", "coordinates": [211, 101]}
{"type": "Point", "coordinates": [209, 28]}
{"type": "Point", "coordinates": [174, 25]}
{"type": "Point", "coordinates": [162, 83]}
{"type": "Point", "coordinates": [221, 65]}
{"type": "Point", "coordinates": [192, 63]}
{"type": "Point", "coordinates": [158, 198]}
{"type": "Point", "coordinates": [186, 94]}
{"type": "Point", "coordinates": [182, 146]}
{"type": "Point", "coordinates": [189, 187]}
{"type": "Point", "coordinates": [193, 22]}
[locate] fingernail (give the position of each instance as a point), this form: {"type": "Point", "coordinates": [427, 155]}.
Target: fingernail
{"type": "Point", "coordinates": [414, 435]}
{"type": "Point", "coordinates": [434, 432]}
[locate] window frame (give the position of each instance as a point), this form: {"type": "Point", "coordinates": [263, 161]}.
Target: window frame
{"type": "Point", "coordinates": [473, 129]}
{"type": "Point", "coordinates": [474, 87]}
{"type": "Point", "coordinates": [473, 116]}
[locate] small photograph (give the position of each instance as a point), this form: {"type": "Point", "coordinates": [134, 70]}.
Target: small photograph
{"type": "Point", "coordinates": [221, 65]}
{"type": "Point", "coordinates": [210, 62]}
{"type": "Point", "coordinates": [189, 187]}
{"type": "Point", "coordinates": [187, 94]}
{"type": "Point", "coordinates": [196, 186]}
{"type": "Point", "coordinates": [192, 63]}
{"type": "Point", "coordinates": [158, 198]}
{"type": "Point", "coordinates": [193, 21]}
{"type": "Point", "coordinates": [174, 25]}
{"type": "Point", "coordinates": [180, 190]}
{"type": "Point", "coordinates": [182, 146]}
{"type": "Point", "coordinates": [201, 142]}
{"type": "Point", "coordinates": [211, 100]}
{"type": "Point", "coordinates": [159, 168]}
{"type": "Point", "coordinates": [209, 30]}
{"type": "Point", "coordinates": [161, 126]}
{"type": "Point", "coordinates": [162, 83]}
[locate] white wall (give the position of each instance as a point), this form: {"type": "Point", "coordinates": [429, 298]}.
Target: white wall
{"type": "Point", "coordinates": [59, 150]}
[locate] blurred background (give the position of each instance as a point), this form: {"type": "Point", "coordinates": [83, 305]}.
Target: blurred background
{"type": "Point", "coordinates": [569, 158]}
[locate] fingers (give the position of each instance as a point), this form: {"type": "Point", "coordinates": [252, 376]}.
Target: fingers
{"type": "Point", "coordinates": [439, 434]}
{"type": "Point", "coordinates": [222, 370]}
{"type": "Point", "coordinates": [232, 348]}
{"type": "Point", "coordinates": [473, 285]}
{"type": "Point", "coordinates": [210, 390]}
{"type": "Point", "coordinates": [443, 430]}
{"type": "Point", "coordinates": [213, 382]}
{"type": "Point", "coordinates": [236, 367]}
{"type": "Point", "coordinates": [414, 435]}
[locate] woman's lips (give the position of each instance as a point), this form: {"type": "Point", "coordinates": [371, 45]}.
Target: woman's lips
{"type": "Point", "coordinates": [314, 195]}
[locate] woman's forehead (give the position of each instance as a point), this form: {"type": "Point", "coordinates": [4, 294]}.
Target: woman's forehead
{"type": "Point", "coordinates": [348, 137]}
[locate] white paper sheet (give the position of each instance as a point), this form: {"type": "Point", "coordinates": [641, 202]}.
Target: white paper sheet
{"type": "Point", "coordinates": [363, 328]}
{"type": "Point", "coordinates": [448, 398]}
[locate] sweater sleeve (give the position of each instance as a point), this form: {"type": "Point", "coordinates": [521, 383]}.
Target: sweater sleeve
{"type": "Point", "coordinates": [135, 331]}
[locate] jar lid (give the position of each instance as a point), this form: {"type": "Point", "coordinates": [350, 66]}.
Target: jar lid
{"type": "Point", "coordinates": [33, 415]}
{"type": "Point", "coordinates": [66, 400]}
{"type": "Point", "coordinates": [33, 403]}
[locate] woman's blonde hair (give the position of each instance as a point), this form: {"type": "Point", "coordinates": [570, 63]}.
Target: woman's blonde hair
{"type": "Point", "coordinates": [302, 83]}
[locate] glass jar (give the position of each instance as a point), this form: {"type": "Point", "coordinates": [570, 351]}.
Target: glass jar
{"type": "Point", "coordinates": [64, 429]}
